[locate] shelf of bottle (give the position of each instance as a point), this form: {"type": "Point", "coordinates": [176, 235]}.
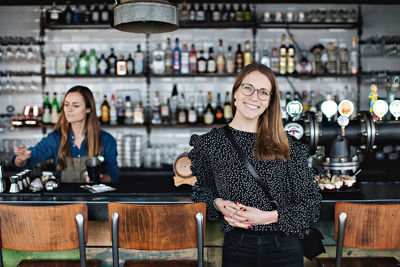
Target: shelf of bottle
{"type": "Point", "coordinates": [185, 125]}
{"type": "Point", "coordinates": [95, 76]}
{"type": "Point", "coordinates": [19, 73]}
{"type": "Point", "coordinates": [380, 72]}
{"type": "Point", "coordinates": [223, 24]}
{"type": "Point", "coordinates": [308, 25]}
{"type": "Point", "coordinates": [78, 26]}
{"type": "Point", "coordinates": [220, 24]}
{"type": "Point", "coordinates": [295, 75]}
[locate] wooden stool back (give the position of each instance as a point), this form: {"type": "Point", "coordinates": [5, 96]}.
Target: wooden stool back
{"type": "Point", "coordinates": [157, 227]}
{"type": "Point", "coordinates": [369, 226]}
{"type": "Point", "coordinates": [41, 228]}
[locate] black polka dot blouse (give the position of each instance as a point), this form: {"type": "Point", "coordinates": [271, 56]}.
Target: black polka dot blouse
{"type": "Point", "coordinates": [221, 173]}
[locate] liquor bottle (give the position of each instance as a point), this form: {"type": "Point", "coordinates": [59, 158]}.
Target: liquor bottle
{"type": "Point", "coordinates": [165, 115]}
{"type": "Point", "coordinates": [138, 114]}
{"type": "Point", "coordinates": [168, 57]}
{"type": "Point", "coordinates": [247, 13]}
{"type": "Point", "coordinates": [77, 15]}
{"type": "Point", "coordinates": [201, 62]}
{"type": "Point", "coordinates": [96, 14]}
{"type": "Point", "coordinates": [353, 57]}
{"type": "Point", "coordinates": [182, 111]}
{"type": "Point", "coordinates": [238, 59]}
{"type": "Point", "coordinates": [156, 111]}
{"type": "Point", "coordinates": [193, 60]}
{"type": "Point", "coordinates": [185, 59]}
{"type": "Point", "coordinates": [192, 13]}
{"type": "Point", "coordinates": [305, 102]}
{"type": "Point", "coordinates": [216, 14]}
{"type": "Point", "coordinates": [219, 111]}
{"type": "Point", "coordinates": [230, 61]}
{"type": "Point", "coordinates": [120, 111]}
{"type": "Point", "coordinates": [87, 16]}
{"type": "Point", "coordinates": [209, 111]}
{"type": "Point", "coordinates": [184, 12]}
{"type": "Point", "coordinates": [239, 13]}
{"type": "Point", "coordinates": [221, 63]}
{"type": "Point", "coordinates": [112, 61]}
{"type": "Point", "coordinates": [211, 65]}
{"type": "Point", "coordinates": [200, 16]}
{"type": "Point", "coordinates": [113, 111]}
{"type": "Point", "coordinates": [247, 57]}
{"type": "Point", "coordinates": [68, 14]}
{"type": "Point", "coordinates": [98, 101]}
{"type": "Point", "coordinates": [224, 13]}
{"type": "Point", "coordinates": [138, 57]}
{"type": "Point", "coordinates": [174, 105]}
{"type": "Point", "coordinates": [54, 109]}
{"type": "Point", "coordinates": [275, 60]}
{"type": "Point", "coordinates": [283, 55]}
{"type": "Point", "coordinates": [61, 63]}
{"type": "Point", "coordinates": [232, 13]}
{"type": "Point", "coordinates": [83, 63]}
{"type": "Point", "coordinates": [105, 13]}
{"type": "Point", "coordinates": [105, 111]}
{"type": "Point", "coordinates": [208, 13]}
{"type": "Point", "coordinates": [47, 110]}
{"type": "Point", "coordinates": [121, 66]}
{"type": "Point", "coordinates": [93, 62]}
{"type": "Point", "coordinates": [265, 58]}
{"type": "Point", "coordinates": [128, 115]}
{"type": "Point", "coordinates": [177, 58]}
{"type": "Point", "coordinates": [291, 56]}
{"type": "Point", "coordinates": [228, 109]}
{"type": "Point", "coordinates": [200, 106]}
{"type": "Point", "coordinates": [158, 60]}
{"type": "Point", "coordinates": [192, 114]}
{"type": "Point", "coordinates": [130, 65]}
{"type": "Point", "coordinates": [102, 65]}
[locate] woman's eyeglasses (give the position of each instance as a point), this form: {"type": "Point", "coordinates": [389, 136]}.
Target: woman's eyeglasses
{"type": "Point", "coordinates": [248, 90]}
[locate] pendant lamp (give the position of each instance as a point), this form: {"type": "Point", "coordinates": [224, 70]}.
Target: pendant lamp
{"type": "Point", "coordinates": [152, 16]}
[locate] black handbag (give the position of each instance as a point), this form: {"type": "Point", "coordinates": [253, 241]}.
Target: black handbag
{"type": "Point", "coordinates": [312, 240]}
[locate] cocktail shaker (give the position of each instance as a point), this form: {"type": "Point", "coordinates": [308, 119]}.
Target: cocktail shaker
{"type": "Point", "coordinates": [14, 184]}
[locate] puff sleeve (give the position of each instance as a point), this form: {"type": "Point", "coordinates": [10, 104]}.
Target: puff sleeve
{"type": "Point", "coordinates": [205, 189]}
{"type": "Point", "coordinates": [303, 208]}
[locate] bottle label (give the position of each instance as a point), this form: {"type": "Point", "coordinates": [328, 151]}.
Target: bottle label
{"type": "Point", "coordinates": [227, 112]}
{"type": "Point", "coordinates": [105, 114]}
{"type": "Point", "coordinates": [192, 116]}
{"type": "Point", "coordinates": [211, 66]}
{"type": "Point", "coordinates": [202, 65]}
{"type": "Point", "coordinates": [182, 117]}
{"type": "Point", "coordinates": [208, 118]}
{"type": "Point", "coordinates": [247, 59]}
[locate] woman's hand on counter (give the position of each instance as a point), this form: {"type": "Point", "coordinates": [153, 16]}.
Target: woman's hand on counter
{"type": "Point", "coordinates": [22, 155]}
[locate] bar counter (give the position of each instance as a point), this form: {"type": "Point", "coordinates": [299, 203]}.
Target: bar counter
{"type": "Point", "coordinates": [157, 187]}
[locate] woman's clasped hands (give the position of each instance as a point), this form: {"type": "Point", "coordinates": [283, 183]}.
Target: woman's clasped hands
{"type": "Point", "coordinates": [238, 215]}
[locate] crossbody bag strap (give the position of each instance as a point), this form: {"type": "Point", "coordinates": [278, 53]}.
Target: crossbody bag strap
{"type": "Point", "coordinates": [252, 171]}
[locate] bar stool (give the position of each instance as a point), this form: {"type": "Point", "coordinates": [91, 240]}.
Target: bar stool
{"type": "Point", "coordinates": [157, 227]}
{"type": "Point", "coordinates": [45, 228]}
{"type": "Point", "coordinates": [365, 226]}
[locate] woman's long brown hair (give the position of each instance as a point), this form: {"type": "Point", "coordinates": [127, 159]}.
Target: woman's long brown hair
{"type": "Point", "coordinates": [92, 128]}
{"type": "Point", "coordinates": [271, 139]}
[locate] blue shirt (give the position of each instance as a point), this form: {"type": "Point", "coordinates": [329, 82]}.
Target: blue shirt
{"type": "Point", "coordinates": [48, 148]}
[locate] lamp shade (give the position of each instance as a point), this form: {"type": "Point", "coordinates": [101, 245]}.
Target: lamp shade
{"type": "Point", "coordinates": [153, 16]}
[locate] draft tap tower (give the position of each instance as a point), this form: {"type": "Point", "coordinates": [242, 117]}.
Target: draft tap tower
{"type": "Point", "coordinates": [342, 140]}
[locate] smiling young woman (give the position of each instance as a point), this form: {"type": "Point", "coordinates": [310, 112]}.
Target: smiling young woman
{"type": "Point", "coordinates": [256, 234]}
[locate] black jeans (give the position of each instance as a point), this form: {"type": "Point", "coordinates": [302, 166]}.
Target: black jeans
{"type": "Point", "coordinates": [244, 248]}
